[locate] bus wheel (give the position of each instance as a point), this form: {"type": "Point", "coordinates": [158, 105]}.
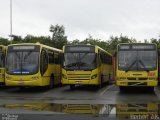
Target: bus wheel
{"type": "Point", "coordinates": [151, 89]}
{"type": "Point", "coordinates": [109, 79]}
{"type": "Point", "coordinates": [102, 81]}
{"type": "Point", "coordinates": [72, 87]}
{"type": "Point", "coordinates": [122, 89]}
{"type": "Point", "coordinates": [100, 85]}
{"type": "Point", "coordinates": [51, 82]}
{"type": "Point", "coordinates": [22, 88]}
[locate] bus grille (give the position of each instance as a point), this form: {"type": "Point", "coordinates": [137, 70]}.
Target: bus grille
{"type": "Point", "coordinates": [129, 78]}
{"type": "Point", "coordinates": [78, 76]}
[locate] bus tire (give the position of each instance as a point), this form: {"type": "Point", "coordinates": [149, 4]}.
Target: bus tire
{"type": "Point", "coordinates": [109, 79]}
{"type": "Point", "coordinates": [72, 87]}
{"type": "Point", "coordinates": [122, 89]}
{"type": "Point", "coordinates": [151, 89]}
{"type": "Point", "coordinates": [51, 84]}
{"type": "Point", "coordinates": [100, 84]}
{"type": "Point", "coordinates": [102, 80]}
{"type": "Point", "coordinates": [22, 88]}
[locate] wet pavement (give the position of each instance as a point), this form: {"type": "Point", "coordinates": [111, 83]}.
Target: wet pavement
{"type": "Point", "coordinates": [82, 103]}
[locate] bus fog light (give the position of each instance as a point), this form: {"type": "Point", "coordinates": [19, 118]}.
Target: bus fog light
{"type": "Point", "coordinates": [64, 76]}
{"type": "Point", "coordinates": [94, 76]}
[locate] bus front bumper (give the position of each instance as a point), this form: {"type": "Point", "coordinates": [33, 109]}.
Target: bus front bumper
{"type": "Point", "coordinates": [80, 82]}
{"type": "Point", "coordinates": [137, 83]}
{"type": "Point", "coordinates": [23, 83]}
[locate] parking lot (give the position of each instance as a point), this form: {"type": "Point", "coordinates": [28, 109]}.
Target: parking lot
{"type": "Point", "coordinates": [42, 101]}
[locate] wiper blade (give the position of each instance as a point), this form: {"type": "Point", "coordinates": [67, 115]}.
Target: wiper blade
{"type": "Point", "coordinates": [140, 61]}
{"type": "Point", "coordinates": [130, 66]}
{"type": "Point", "coordinates": [72, 64]}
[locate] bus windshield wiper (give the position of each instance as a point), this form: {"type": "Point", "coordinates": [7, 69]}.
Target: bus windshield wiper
{"type": "Point", "coordinates": [140, 61]}
{"type": "Point", "coordinates": [130, 66]}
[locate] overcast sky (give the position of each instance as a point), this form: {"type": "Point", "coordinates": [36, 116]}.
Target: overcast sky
{"type": "Point", "coordinates": [139, 19]}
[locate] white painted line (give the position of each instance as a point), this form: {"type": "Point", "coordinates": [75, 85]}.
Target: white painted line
{"type": "Point", "coordinates": [106, 89]}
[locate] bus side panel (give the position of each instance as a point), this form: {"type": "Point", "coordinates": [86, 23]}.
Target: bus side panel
{"type": "Point", "coordinates": [57, 74]}
{"type": "Point", "coordinates": [2, 75]}
{"type": "Point", "coordinates": [54, 69]}
{"type": "Point", "coordinates": [114, 67]}
{"type": "Point", "coordinates": [47, 75]}
{"type": "Point", "coordinates": [106, 71]}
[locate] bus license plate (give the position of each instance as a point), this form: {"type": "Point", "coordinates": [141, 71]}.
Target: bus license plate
{"type": "Point", "coordinates": [21, 83]}
{"type": "Point", "coordinates": [78, 82]}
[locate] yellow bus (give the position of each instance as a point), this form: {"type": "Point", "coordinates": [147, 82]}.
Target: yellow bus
{"type": "Point", "coordinates": [32, 64]}
{"type": "Point", "coordinates": [86, 65]}
{"type": "Point", "coordinates": [2, 64]}
{"type": "Point", "coordinates": [137, 65]}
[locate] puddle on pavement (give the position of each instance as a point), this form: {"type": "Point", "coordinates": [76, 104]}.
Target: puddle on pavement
{"type": "Point", "coordinates": [125, 111]}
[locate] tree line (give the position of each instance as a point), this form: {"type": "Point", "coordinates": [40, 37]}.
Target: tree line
{"type": "Point", "coordinates": [58, 39]}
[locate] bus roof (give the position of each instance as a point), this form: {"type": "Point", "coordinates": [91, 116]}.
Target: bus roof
{"type": "Point", "coordinates": [103, 50]}
{"type": "Point", "coordinates": [89, 45]}
{"type": "Point", "coordinates": [80, 45]}
{"type": "Point", "coordinates": [51, 48]}
{"type": "Point", "coordinates": [137, 43]}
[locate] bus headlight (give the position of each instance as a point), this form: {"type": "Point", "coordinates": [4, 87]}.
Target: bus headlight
{"type": "Point", "coordinates": [35, 78]}
{"type": "Point", "coordinates": [8, 78]}
{"type": "Point", "coordinates": [94, 76]}
{"type": "Point", "coordinates": [64, 76]}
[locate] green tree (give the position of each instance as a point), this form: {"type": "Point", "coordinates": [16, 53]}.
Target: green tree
{"type": "Point", "coordinates": [114, 41]}
{"type": "Point", "coordinates": [4, 41]}
{"type": "Point", "coordinates": [75, 42]}
{"type": "Point", "coordinates": [16, 39]}
{"type": "Point", "coordinates": [58, 36]}
{"type": "Point", "coordinates": [46, 40]}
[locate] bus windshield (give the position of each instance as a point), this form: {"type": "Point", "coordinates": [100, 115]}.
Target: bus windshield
{"type": "Point", "coordinates": [137, 60]}
{"type": "Point", "coordinates": [79, 61]}
{"type": "Point", "coordinates": [2, 59]}
{"type": "Point", "coordinates": [22, 62]}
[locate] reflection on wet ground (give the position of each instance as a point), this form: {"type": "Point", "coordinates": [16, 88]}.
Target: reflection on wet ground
{"type": "Point", "coordinates": [120, 111]}
{"type": "Point", "coordinates": [107, 102]}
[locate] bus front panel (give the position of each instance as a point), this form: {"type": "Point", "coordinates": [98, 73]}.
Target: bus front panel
{"type": "Point", "coordinates": [22, 66]}
{"type": "Point", "coordinates": [137, 65]}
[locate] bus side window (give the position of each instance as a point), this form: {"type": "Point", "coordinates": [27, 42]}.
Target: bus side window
{"type": "Point", "coordinates": [101, 57]}
{"type": "Point", "coordinates": [56, 58]}
{"type": "Point", "coordinates": [44, 62]}
{"type": "Point", "coordinates": [61, 58]}
{"type": "Point", "coordinates": [105, 57]}
{"type": "Point", "coordinates": [110, 60]}
{"type": "Point", "coordinates": [51, 57]}
{"type": "Point", "coordinates": [2, 60]}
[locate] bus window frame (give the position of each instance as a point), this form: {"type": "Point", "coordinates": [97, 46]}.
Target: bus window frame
{"type": "Point", "coordinates": [42, 71]}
